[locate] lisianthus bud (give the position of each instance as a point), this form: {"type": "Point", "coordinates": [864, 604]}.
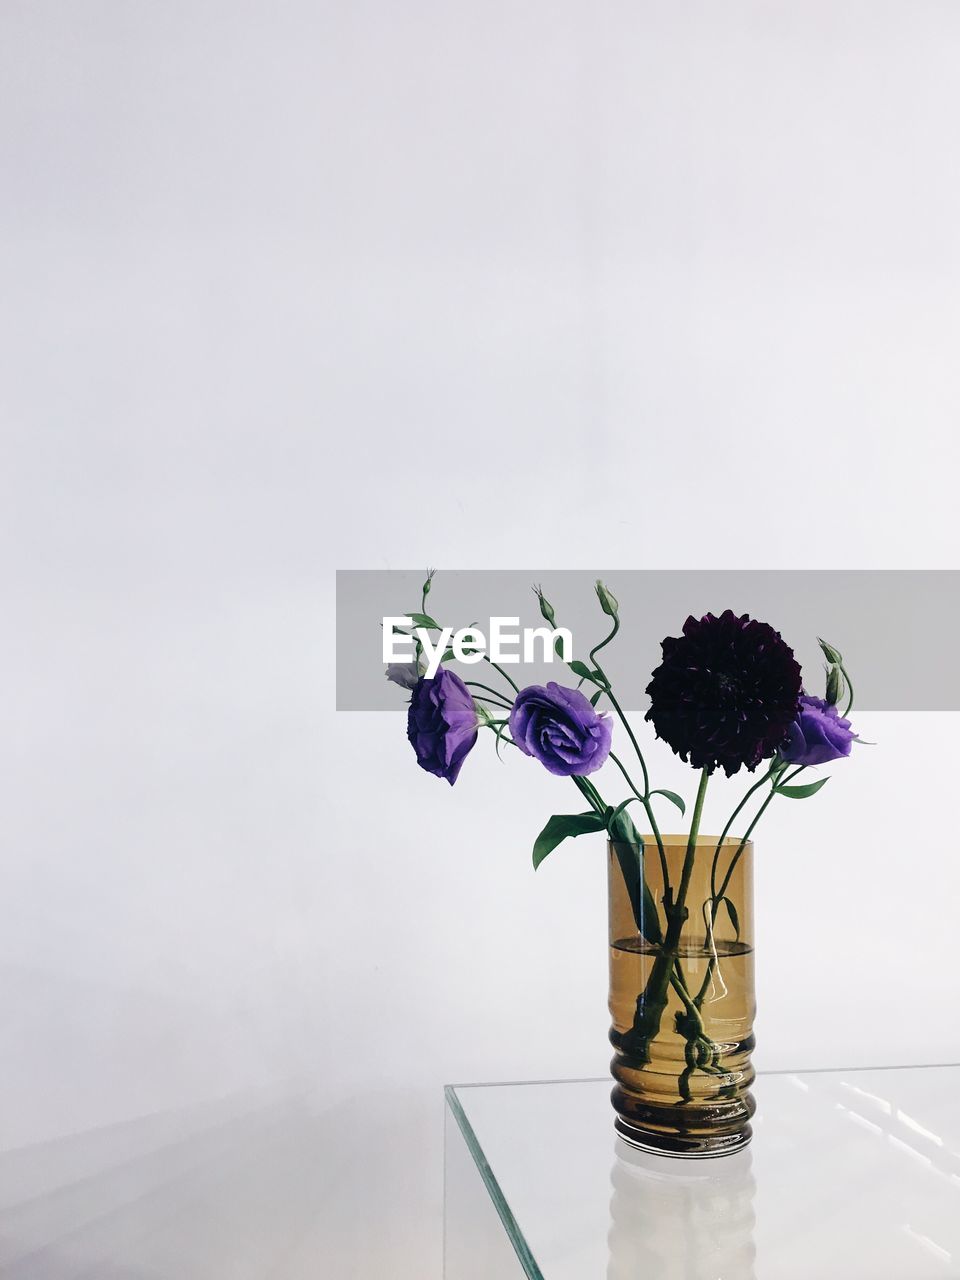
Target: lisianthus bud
{"type": "Point", "coordinates": [405, 674]}
{"type": "Point", "coordinates": [834, 685]}
{"type": "Point", "coordinates": [426, 586]}
{"type": "Point", "coordinates": [546, 608]}
{"type": "Point", "coordinates": [608, 601]}
{"type": "Point", "coordinates": [831, 654]}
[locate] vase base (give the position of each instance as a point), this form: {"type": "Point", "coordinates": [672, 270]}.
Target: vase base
{"type": "Point", "coordinates": [684, 1147]}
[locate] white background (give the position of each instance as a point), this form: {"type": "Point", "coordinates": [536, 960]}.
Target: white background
{"type": "Point", "coordinates": [299, 286]}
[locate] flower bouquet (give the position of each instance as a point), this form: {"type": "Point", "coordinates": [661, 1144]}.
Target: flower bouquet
{"type": "Point", "coordinates": [728, 694]}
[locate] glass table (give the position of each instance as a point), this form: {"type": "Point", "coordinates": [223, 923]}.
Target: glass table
{"type": "Point", "coordinates": [851, 1174]}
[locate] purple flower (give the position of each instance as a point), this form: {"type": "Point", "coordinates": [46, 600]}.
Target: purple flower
{"type": "Point", "coordinates": [560, 728]}
{"type": "Point", "coordinates": [442, 724]}
{"type": "Point", "coordinates": [818, 735]}
{"type": "Point", "coordinates": [405, 674]}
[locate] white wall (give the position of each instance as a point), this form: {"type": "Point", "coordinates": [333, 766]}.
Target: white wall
{"type": "Point", "coordinates": [295, 286]}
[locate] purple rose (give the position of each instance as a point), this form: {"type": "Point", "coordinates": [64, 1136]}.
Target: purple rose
{"type": "Point", "coordinates": [442, 724]}
{"type": "Point", "coordinates": [818, 735]}
{"type": "Point", "coordinates": [560, 728]}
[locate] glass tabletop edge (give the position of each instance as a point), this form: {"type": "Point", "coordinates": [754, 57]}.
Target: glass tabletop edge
{"type": "Point", "coordinates": [510, 1224]}
{"type": "Point", "coordinates": [450, 1090]}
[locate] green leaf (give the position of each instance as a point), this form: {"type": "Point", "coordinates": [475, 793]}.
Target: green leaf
{"type": "Point", "coordinates": [801, 793]}
{"type": "Point", "coordinates": [580, 669]}
{"type": "Point", "coordinates": [595, 698]}
{"type": "Point", "coordinates": [500, 728]}
{"type": "Point", "coordinates": [614, 814]}
{"type": "Point", "coordinates": [734, 917]}
{"type": "Point", "coordinates": [562, 826]}
{"type": "Point", "coordinates": [777, 769]}
{"type": "Point", "coordinates": [450, 656]}
{"type": "Point", "coordinates": [424, 620]}
{"type": "Point", "coordinates": [835, 685]}
{"type": "Point", "coordinates": [673, 798]}
{"type": "Point", "coordinates": [831, 654]}
{"type": "Point", "coordinates": [628, 846]}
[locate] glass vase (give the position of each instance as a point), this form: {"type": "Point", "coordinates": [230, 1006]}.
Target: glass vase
{"type": "Point", "coordinates": [682, 999]}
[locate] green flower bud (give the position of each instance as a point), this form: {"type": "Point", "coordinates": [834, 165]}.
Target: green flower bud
{"type": "Point", "coordinates": [426, 586]}
{"type": "Point", "coordinates": [831, 654]}
{"type": "Point", "coordinates": [546, 608]}
{"type": "Point", "coordinates": [608, 601]}
{"type": "Point", "coordinates": [834, 685]}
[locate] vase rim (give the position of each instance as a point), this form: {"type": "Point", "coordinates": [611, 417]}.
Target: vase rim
{"type": "Point", "coordinates": [673, 840]}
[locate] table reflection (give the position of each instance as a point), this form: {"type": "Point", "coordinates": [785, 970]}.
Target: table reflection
{"type": "Point", "coordinates": [681, 1218]}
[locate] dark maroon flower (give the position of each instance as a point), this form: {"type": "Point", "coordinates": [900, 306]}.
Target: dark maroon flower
{"type": "Point", "coordinates": [726, 692]}
{"type": "Point", "coordinates": [442, 724]}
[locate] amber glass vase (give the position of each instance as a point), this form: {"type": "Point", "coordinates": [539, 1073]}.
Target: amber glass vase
{"type": "Point", "coordinates": [682, 998]}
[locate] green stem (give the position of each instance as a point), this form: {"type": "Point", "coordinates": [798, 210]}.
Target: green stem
{"type": "Point", "coordinates": [604, 683]}
{"type": "Point", "coordinates": [645, 798]}
{"type": "Point", "coordinates": [630, 783]}
{"type": "Point", "coordinates": [645, 801]}
{"type": "Point", "coordinates": [667, 890]}
{"type": "Point", "coordinates": [423, 609]}
{"type": "Point", "coordinates": [688, 860]}
{"type": "Point", "coordinates": [608, 690]}
{"type": "Point", "coordinates": [590, 792]}
{"type": "Point", "coordinates": [653, 1001]}
{"type": "Point", "coordinates": [494, 727]}
{"type": "Point", "coordinates": [513, 683]}
{"type": "Point", "coordinates": [843, 672]}
{"type": "Point", "coordinates": [749, 831]}
{"type": "Point", "coordinates": [475, 684]}
{"type": "Point", "coordinates": [603, 644]}
{"type": "Point", "coordinates": [630, 734]}
{"type": "Point", "coordinates": [731, 820]}
{"type": "Point", "coordinates": [678, 982]}
{"type": "Point", "coordinates": [715, 900]}
{"type": "Point", "coordinates": [493, 702]}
